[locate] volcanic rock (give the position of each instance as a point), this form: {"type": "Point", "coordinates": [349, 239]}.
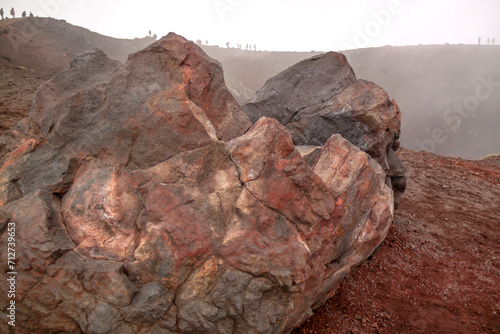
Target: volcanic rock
{"type": "Point", "coordinates": [145, 201]}
{"type": "Point", "coordinates": [320, 96]}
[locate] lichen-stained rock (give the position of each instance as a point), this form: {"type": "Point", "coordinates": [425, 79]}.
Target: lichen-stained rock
{"type": "Point", "coordinates": [145, 203]}
{"type": "Point", "coordinates": [320, 96]}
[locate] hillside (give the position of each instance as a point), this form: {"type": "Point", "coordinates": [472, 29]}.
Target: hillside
{"type": "Point", "coordinates": [17, 86]}
{"type": "Point", "coordinates": [47, 45]}
{"type": "Point", "coordinates": [438, 270]}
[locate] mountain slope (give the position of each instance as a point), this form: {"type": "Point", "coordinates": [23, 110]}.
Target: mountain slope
{"type": "Point", "coordinates": [47, 45]}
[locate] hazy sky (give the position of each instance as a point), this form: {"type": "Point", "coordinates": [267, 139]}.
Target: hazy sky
{"type": "Point", "coordinates": [292, 25]}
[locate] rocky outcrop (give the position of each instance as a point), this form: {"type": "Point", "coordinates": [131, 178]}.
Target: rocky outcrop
{"type": "Point", "coordinates": [320, 96]}
{"type": "Point", "coordinates": [145, 201]}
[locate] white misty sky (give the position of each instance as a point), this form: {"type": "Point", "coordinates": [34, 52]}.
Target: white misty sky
{"type": "Point", "coordinates": [284, 25]}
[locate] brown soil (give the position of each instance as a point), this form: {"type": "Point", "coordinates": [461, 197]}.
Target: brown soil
{"type": "Point", "coordinates": [438, 270]}
{"type": "Point", "coordinates": [17, 86]}
{"type": "Point", "coordinates": [492, 160]}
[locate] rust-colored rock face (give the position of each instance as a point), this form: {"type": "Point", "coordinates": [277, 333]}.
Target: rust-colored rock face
{"type": "Point", "coordinates": [145, 201]}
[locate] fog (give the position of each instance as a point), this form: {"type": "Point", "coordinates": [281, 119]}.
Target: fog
{"type": "Point", "coordinates": [449, 95]}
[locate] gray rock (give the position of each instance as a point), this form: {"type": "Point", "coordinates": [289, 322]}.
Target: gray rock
{"type": "Point", "coordinates": [103, 319]}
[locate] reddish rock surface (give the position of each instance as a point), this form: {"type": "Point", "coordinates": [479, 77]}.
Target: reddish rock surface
{"type": "Point", "coordinates": [145, 201]}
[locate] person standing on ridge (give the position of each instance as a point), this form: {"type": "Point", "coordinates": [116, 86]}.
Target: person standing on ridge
{"type": "Point", "coordinates": [31, 14]}
{"type": "Point", "coordinates": [1, 12]}
{"type": "Point", "coordinates": [13, 13]}
{"type": "Point", "coordinates": [23, 14]}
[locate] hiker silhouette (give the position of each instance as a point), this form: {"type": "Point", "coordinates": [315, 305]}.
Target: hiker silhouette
{"type": "Point", "coordinates": [13, 13]}
{"type": "Point", "coordinates": [31, 14]}
{"type": "Point", "coordinates": [1, 12]}
{"type": "Point", "coordinates": [23, 14]}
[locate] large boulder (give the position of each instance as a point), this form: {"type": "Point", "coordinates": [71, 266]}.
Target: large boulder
{"type": "Point", "coordinates": [320, 96]}
{"type": "Point", "coordinates": [145, 201]}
